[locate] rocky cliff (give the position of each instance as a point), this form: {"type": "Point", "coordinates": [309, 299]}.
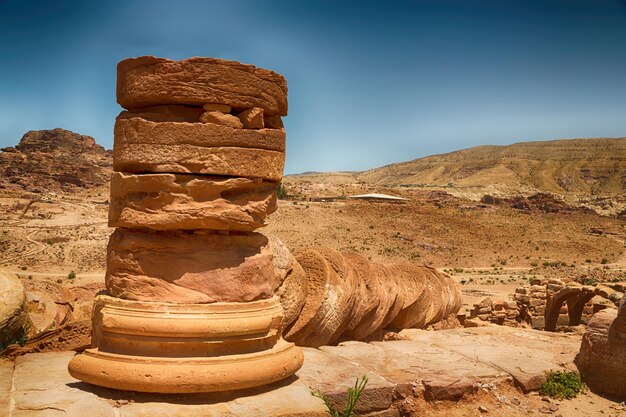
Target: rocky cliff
{"type": "Point", "coordinates": [54, 160]}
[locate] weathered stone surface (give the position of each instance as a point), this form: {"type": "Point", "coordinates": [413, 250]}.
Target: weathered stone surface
{"type": "Point", "coordinates": [189, 202]}
{"type": "Point", "coordinates": [184, 267]}
{"type": "Point", "coordinates": [222, 119]}
{"type": "Point", "coordinates": [415, 282]}
{"type": "Point", "coordinates": [147, 81]}
{"type": "Point", "coordinates": [227, 161]}
{"type": "Point", "coordinates": [137, 130]}
{"type": "Point", "coordinates": [273, 122]}
{"type": "Point", "coordinates": [168, 113]}
{"type": "Point", "coordinates": [186, 348]}
{"type": "Point", "coordinates": [332, 310]}
{"type": "Point", "coordinates": [222, 108]}
{"type": "Point", "coordinates": [525, 355]}
{"type": "Point", "coordinates": [332, 376]}
{"type": "Point", "coordinates": [252, 118]}
{"type": "Point", "coordinates": [602, 357]}
{"type": "Point", "coordinates": [449, 389]}
{"type": "Point", "coordinates": [44, 388]}
{"type": "Point", "coordinates": [407, 363]}
{"type": "Point", "coordinates": [291, 281]}
{"type": "Point", "coordinates": [291, 399]}
{"type": "Point", "coordinates": [13, 312]}
{"type": "Point", "coordinates": [365, 292]}
{"type": "Point", "coordinates": [6, 382]}
{"type": "Point", "coordinates": [317, 272]}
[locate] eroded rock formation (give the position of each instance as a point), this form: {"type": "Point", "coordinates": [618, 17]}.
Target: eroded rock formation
{"type": "Point", "coordinates": [602, 357]}
{"type": "Point", "coordinates": [191, 304]}
{"type": "Point", "coordinates": [54, 160]}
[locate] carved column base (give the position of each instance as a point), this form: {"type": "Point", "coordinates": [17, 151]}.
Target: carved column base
{"type": "Point", "coordinates": [186, 348]}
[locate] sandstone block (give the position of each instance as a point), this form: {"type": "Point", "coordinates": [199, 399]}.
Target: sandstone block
{"type": "Point", "coordinates": [602, 356]}
{"type": "Point", "coordinates": [222, 119]}
{"type": "Point", "coordinates": [169, 113]}
{"type": "Point", "coordinates": [185, 267]}
{"type": "Point", "coordinates": [222, 108]}
{"type": "Point", "coordinates": [13, 311]}
{"type": "Point", "coordinates": [227, 161]}
{"type": "Point", "coordinates": [148, 81]}
{"type": "Point", "coordinates": [332, 376]}
{"type": "Point", "coordinates": [273, 122]}
{"type": "Point", "coordinates": [291, 281]}
{"type": "Point", "coordinates": [137, 130]}
{"type": "Point", "coordinates": [366, 293]}
{"type": "Point", "coordinates": [252, 118]}
{"type": "Point", "coordinates": [189, 202]}
{"type": "Point", "coordinates": [449, 388]}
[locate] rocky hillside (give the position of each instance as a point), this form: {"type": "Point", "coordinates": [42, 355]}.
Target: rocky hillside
{"type": "Point", "coordinates": [54, 160]}
{"type": "Point", "coordinates": [589, 166]}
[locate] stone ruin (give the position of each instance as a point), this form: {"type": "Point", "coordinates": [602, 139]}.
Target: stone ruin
{"type": "Point", "coordinates": [602, 357]}
{"type": "Point", "coordinates": [548, 304]}
{"type": "Point", "coordinates": [197, 300]}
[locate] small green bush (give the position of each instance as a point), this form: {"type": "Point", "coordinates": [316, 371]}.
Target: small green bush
{"type": "Point", "coordinates": [604, 261]}
{"type": "Point", "coordinates": [71, 275]}
{"type": "Point", "coordinates": [561, 385]}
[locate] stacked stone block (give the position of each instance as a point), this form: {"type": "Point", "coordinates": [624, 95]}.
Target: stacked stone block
{"type": "Point", "coordinates": [198, 156]}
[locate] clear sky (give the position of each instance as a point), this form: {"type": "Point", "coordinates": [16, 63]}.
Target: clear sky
{"type": "Point", "coordinates": [370, 83]}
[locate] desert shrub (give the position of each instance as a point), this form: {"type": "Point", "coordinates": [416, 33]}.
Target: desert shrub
{"type": "Point", "coordinates": [604, 261]}
{"type": "Point", "coordinates": [353, 397]}
{"type": "Point", "coordinates": [71, 275]}
{"type": "Point", "coordinates": [59, 281]}
{"type": "Point", "coordinates": [561, 385]}
{"type": "Point", "coordinates": [588, 261]}
{"type": "Point", "coordinates": [281, 193]}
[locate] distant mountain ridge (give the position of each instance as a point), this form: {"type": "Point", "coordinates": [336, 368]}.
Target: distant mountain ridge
{"type": "Point", "coordinates": [579, 166]}
{"type": "Point", "coordinates": [55, 160]}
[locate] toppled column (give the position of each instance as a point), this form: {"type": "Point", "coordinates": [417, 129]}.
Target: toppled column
{"type": "Point", "coordinates": [190, 304]}
{"type": "Point", "coordinates": [330, 296]}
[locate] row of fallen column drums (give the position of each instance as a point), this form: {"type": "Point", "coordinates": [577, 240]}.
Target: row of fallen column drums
{"type": "Point", "coordinates": [329, 296]}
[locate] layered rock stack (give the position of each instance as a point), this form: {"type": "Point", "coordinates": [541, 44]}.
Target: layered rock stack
{"type": "Point", "coordinates": [602, 357]}
{"type": "Point", "coordinates": [330, 296]}
{"type": "Point", "coordinates": [190, 303]}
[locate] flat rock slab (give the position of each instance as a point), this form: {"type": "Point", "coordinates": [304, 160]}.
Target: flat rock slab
{"type": "Point", "coordinates": [332, 376]}
{"type": "Point", "coordinates": [6, 382]}
{"type": "Point", "coordinates": [409, 362]}
{"type": "Point", "coordinates": [526, 355]}
{"type": "Point", "coordinates": [42, 387]}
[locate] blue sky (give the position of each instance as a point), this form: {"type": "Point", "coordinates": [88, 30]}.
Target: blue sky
{"type": "Point", "coordinates": [370, 83]}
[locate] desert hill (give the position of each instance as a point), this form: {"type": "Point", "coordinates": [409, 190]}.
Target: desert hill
{"type": "Point", "coordinates": [591, 166]}
{"type": "Point", "coordinates": [54, 160]}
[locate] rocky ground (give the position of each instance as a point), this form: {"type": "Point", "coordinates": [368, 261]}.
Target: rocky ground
{"type": "Point", "coordinates": [462, 372]}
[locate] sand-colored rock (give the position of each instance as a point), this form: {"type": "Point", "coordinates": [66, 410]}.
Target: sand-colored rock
{"type": "Point", "coordinates": [332, 310]}
{"type": "Point", "coordinates": [222, 108]}
{"type": "Point", "coordinates": [227, 161]}
{"type": "Point", "coordinates": [252, 118]}
{"type": "Point", "coordinates": [602, 356]}
{"type": "Point", "coordinates": [166, 113]}
{"type": "Point", "coordinates": [413, 301]}
{"type": "Point", "coordinates": [273, 122]}
{"type": "Point", "coordinates": [184, 348]}
{"type": "Point", "coordinates": [332, 376]}
{"type": "Point", "coordinates": [13, 312]}
{"type": "Point", "coordinates": [137, 130]}
{"type": "Point", "coordinates": [218, 118]}
{"type": "Point", "coordinates": [378, 290]}
{"type": "Point", "coordinates": [291, 281]}
{"type": "Point", "coordinates": [185, 267]}
{"type": "Point", "coordinates": [365, 292]}
{"type": "Point", "coordinates": [189, 202]}
{"type": "Point", "coordinates": [148, 81]}
{"type": "Point", "coordinates": [317, 272]}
